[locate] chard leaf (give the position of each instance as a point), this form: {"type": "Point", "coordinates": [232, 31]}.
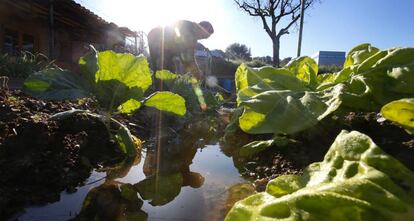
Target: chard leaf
{"type": "Point", "coordinates": [120, 77]}
{"type": "Point", "coordinates": [355, 181]}
{"type": "Point", "coordinates": [126, 141]}
{"type": "Point", "coordinates": [129, 106]}
{"type": "Point", "coordinates": [128, 69]}
{"type": "Point", "coordinates": [256, 147]}
{"type": "Point", "coordinates": [165, 75]}
{"type": "Point", "coordinates": [55, 84]}
{"type": "Point", "coordinates": [400, 112]}
{"type": "Point", "coordinates": [167, 101]}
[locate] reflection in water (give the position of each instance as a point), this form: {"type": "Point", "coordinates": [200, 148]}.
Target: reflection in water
{"type": "Point", "coordinates": [112, 201]}
{"type": "Point", "coordinates": [195, 181]}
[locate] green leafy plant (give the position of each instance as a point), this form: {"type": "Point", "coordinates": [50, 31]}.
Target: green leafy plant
{"type": "Point", "coordinates": [294, 98]}
{"type": "Point", "coordinates": [191, 90]}
{"type": "Point", "coordinates": [355, 181]}
{"type": "Point", "coordinates": [400, 112]}
{"type": "Point", "coordinates": [118, 82]}
{"type": "Point", "coordinates": [24, 64]}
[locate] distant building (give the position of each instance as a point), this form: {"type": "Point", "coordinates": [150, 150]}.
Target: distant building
{"type": "Point", "coordinates": [217, 53]}
{"type": "Point", "coordinates": [203, 59]}
{"type": "Point", "coordinates": [329, 58]}
{"type": "Point", "coordinates": [60, 29]}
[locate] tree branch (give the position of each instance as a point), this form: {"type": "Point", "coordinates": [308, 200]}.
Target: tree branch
{"type": "Point", "coordinates": [256, 11]}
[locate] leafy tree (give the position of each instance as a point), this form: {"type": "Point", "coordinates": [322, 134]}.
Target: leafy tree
{"type": "Point", "coordinates": [272, 13]}
{"type": "Point", "coordinates": [238, 51]}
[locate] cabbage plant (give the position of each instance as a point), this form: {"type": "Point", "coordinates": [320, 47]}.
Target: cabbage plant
{"type": "Point", "coordinates": [400, 112]}
{"type": "Point", "coordinates": [294, 98]}
{"type": "Point", "coordinates": [118, 81]}
{"type": "Point", "coordinates": [355, 181]}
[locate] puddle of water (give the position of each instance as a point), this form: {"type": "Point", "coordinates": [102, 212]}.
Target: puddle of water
{"type": "Point", "coordinates": [188, 185]}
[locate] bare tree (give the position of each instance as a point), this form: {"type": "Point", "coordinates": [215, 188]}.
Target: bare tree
{"type": "Point", "coordinates": [271, 12]}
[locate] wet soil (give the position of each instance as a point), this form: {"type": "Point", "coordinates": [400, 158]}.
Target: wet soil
{"type": "Point", "coordinates": [40, 158]}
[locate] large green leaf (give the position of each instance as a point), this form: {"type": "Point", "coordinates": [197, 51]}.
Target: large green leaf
{"type": "Point", "coordinates": [165, 75]}
{"type": "Point", "coordinates": [126, 68]}
{"type": "Point", "coordinates": [305, 69]}
{"type": "Point", "coordinates": [120, 78]}
{"type": "Point", "coordinates": [389, 78]}
{"type": "Point", "coordinates": [129, 106]}
{"type": "Point", "coordinates": [359, 53]}
{"type": "Point", "coordinates": [401, 112]}
{"type": "Point", "coordinates": [355, 181]}
{"type": "Point", "coordinates": [287, 111]}
{"type": "Point", "coordinates": [252, 81]}
{"type": "Point", "coordinates": [167, 101]}
{"type": "Point", "coordinates": [55, 84]}
{"type": "Point", "coordinates": [256, 147]}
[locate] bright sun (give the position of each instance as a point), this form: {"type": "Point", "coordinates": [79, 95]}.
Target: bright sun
{"type": "Point", "coordinates": [143, 15]}
{"type": "Point", "coordinates": [148, 14]}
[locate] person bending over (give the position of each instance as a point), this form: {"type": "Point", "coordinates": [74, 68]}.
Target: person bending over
{"type": "Point", "coordinates": [173, 45]}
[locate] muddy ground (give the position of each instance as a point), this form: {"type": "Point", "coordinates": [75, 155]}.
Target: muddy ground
{"type": "Point", "coordinates": [40, 158]}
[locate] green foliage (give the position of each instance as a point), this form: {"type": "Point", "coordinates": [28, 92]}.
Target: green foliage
{"type": "Point", "coordinates": [167, 101]}
{"type": "Point", "coordinates": [255, 147]}
{"type": "Point", "coordinates": [359, 54]}
{"type": "Point", "coordinates": [190, 89]}
{"type": "Point", "coordinates": [369, 81]}
{"type": "Point", "coordinates": [294, 98]}
{"type": "Point", "coordinates": [277, 101]}
{"type": "Point", "coordinates": [24, 64]}
{"type": "Point", "coordinates": [118, 81]}
{"type": "Point", "coordinates": [355, 181]}
{"type": "Point", "coordinates": [326, 69]}
{"type": "Point", "coordinates": [54, 83]}
{"type": "Point", "coordinates": [165, 75]}
{"type": "Point", "coordinates": [305, 69]}
{"type": "Point", "coordinates": [238, 51]}
{"type": "Point", "coordinates": [400, 112]}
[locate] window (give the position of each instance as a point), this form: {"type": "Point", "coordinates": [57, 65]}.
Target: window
{"type": "Point", "coordinates": [28, 43]}
{"type": "Point", "coordinates": [15, 41]}
{"type": "Point", "coordinates": [11, 42]}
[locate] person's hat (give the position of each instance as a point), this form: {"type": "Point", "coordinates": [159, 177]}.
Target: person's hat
{"type": "Point", "coordinates": [207, 26]}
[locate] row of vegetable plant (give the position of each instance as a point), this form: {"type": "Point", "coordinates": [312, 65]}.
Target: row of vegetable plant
{"type": "Point", "coordinates": [294, 98]}
{"type": "Point", "coordinates": [356, 179]}
{"type": "Point", "coordinates": [117, 81]}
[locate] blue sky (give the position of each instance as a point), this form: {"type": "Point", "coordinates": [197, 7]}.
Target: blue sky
{"type": "Point", "coordinates": [330, 25]}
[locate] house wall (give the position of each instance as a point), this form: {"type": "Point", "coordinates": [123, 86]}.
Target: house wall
{"type": "Point", "coordinates": [16, 20]}
{"type": "Point", "coordinates": [70, 43]}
